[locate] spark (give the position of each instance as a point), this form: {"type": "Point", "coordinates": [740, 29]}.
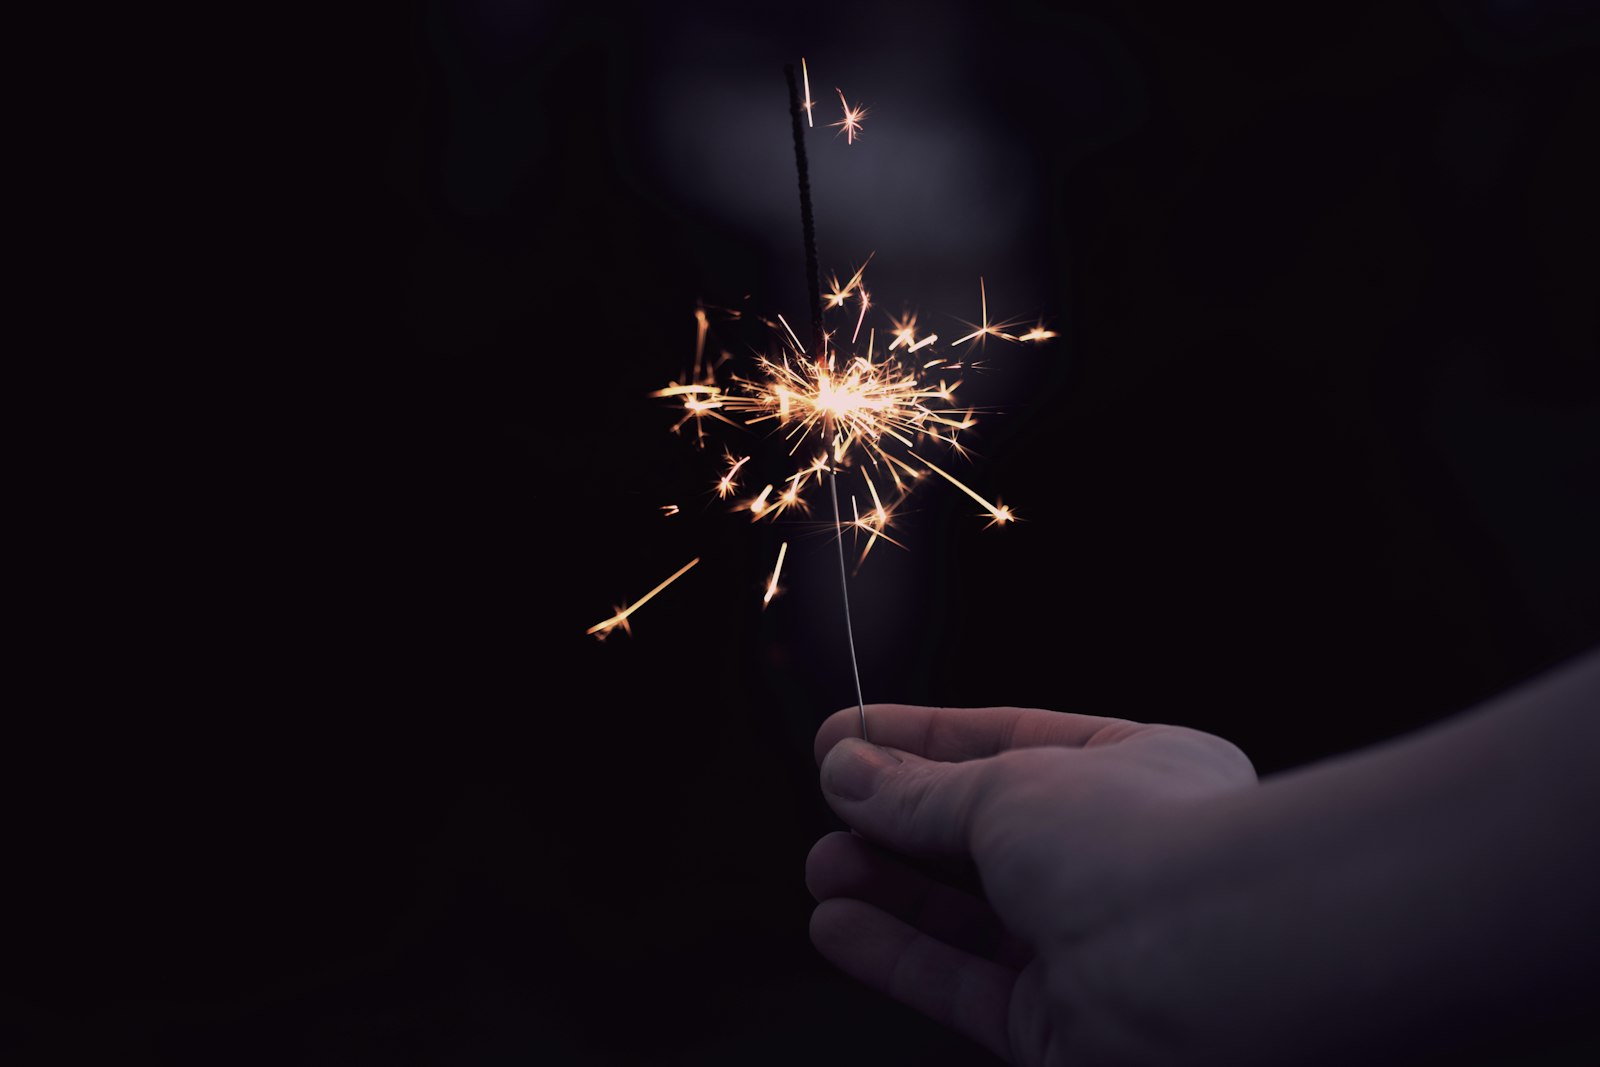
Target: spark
{"type": "Point", "coordinates": [866, 302]}
{"type": "Point", "coordinates": [841, 293]}
{"type": "Point", "coordinates": [772, 586]}
{"type": "Point", "coordinates": [1038, 333]}
{"type": "Point", "coordinates": [1001, 515]}
{"type": "Point", "coordinates": [730, 481]}
{"type": "Point", "coordinates": [807, 103]}
{"type": "Point", "coordinates": [798, 347]}
{"type": "Point", "coordinates": [986, 328]}
{"type": "Point", "coordinates": [699, 402]}
{"type": "Point", "coordinates": [702, 324]}
{"type": "Point", "coordinates": [847, 414]}
{"type": "Point", "coordinates": [669, 509]}
{"type": "Point", "coordinates": [837, 295]}
{"type": "Point", "coordinates": [758, 506]}
{"type": "Point", "coordinates": [850, 125]}
{"type": "Point", "coordinates": [904, 330]}
{"type": "Point", "coordinates": [621, 617]}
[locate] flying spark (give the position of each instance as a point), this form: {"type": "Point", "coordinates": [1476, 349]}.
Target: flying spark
{"type": "Point", "coordinates": [850, 125]}
{"type": "Point", "coordinates": [807, 103]}
{"type": "Point", "coordinates": [986, 328]}
{"type": "Point", "coordinates": [601, 629]}
{"type": "Point", "coordinates": [772, 586]}
{"type": "Point", "coordinates": [836, 412]}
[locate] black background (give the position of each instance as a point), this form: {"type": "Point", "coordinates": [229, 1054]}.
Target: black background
{"type": "Point", "coordinates": [324, 768]}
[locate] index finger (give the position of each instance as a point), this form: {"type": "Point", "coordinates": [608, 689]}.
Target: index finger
{"type": "Point", "coordinates": [953, 734]}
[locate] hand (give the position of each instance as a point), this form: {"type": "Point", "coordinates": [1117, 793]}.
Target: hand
{"type": "Point", "coordinates": [1060, 817]}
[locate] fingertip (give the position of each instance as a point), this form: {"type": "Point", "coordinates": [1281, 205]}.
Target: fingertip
{"type": "Point", "coordinates": [835, 925]}
{"type": "Point", "coordinates": [824, 861]}
{"type": "Point", "coordinates": [854, 770]}
{"type": "Point", "coordinates": [846, 722]}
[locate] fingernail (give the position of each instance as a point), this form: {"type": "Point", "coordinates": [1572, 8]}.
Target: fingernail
{"type": "Point", "coordinates": [855, 769]}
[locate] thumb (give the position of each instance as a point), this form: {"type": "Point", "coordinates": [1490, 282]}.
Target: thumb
{"type": "Point", "coordinates": [913, 805]}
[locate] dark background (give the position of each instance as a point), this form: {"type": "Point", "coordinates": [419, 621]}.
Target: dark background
{"type": "Point", "coordinates": [323, 767]}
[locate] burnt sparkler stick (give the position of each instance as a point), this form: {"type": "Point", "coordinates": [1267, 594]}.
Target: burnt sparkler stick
{"type": "Point", "coordinates": [819, 341]}
{"type": "Point", "coordinates": [808, 222]}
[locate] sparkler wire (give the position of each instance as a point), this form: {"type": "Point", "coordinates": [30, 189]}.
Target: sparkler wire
{"type": "Point", "coordinates": [844, 588]}
{"type": "Point", "coordinates": [819, 342]}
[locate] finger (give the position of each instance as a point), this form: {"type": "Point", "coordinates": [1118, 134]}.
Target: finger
{"type": "Point", "coordinates": [954, 734]}
{"type": "Point", "coordinates": [916, 807]}
{"type": "Point", "coordinates": [953, 988]}
{"type": "Point", "coordinates": [844, 865]}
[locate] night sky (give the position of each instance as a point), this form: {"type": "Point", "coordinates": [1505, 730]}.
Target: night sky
{"type": "Point", "coordinates": [326, 769]}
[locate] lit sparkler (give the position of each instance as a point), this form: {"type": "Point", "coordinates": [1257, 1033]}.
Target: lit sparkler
{"type": "Point", "coordinates": [874, 417]}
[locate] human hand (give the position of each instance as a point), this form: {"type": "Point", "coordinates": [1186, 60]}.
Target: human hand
{"type": "Point", "coordinates": [1063, 817]}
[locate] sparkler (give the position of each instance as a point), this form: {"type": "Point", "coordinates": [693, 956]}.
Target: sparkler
{"type": "Point", "coordinates": [836, 410]}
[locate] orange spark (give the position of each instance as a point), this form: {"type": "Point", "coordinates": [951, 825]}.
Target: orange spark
{"type": "Point", "coordinates": [730, 481]}
{"type": "Point", "coordinates": [1002, 515]}
{"type": "Point", "coordinates": [772, 586]}
{"type": "Point", "coordinates": [986, 328]}
{"type": "Point", "coordinates": [850, 125]}
{"type": "Point", "coordinates": [808, 102]}
{"type": "Point", "coordinates": [905, 331]}
{"type": "Point", "coordinates": [621, 617]}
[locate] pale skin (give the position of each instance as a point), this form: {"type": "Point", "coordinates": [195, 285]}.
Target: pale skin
{"type": "Point", "coordinates": [1070, 889]}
